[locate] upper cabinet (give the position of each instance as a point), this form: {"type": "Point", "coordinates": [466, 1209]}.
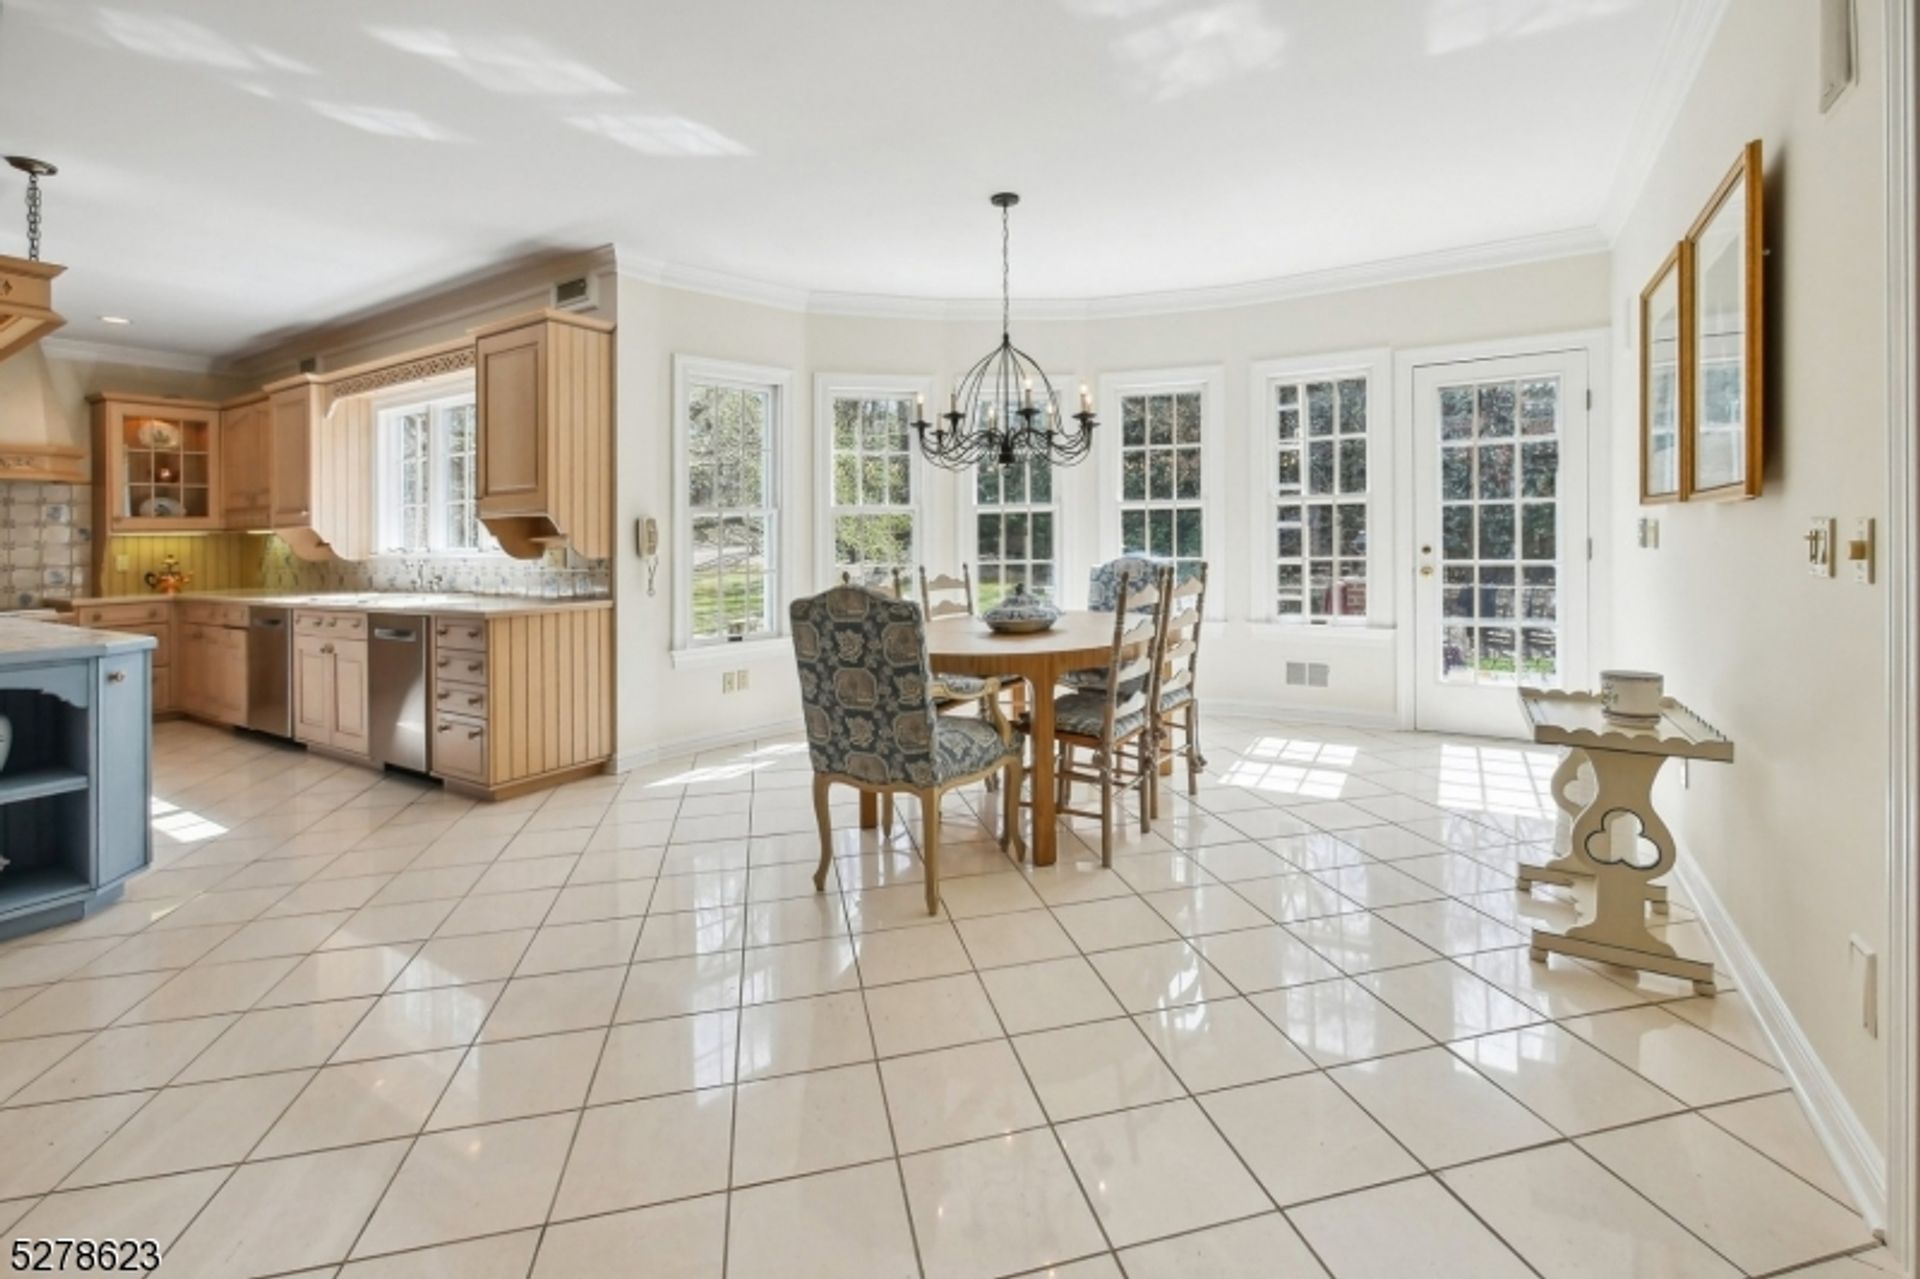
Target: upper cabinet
{"type": "Point", "coordinates": [291, 409]}
{"type": "Point", "coordinates": [156, 465]}
{"type": "Point", "coordinates": [246, 464]}
{"type": "Point", "coordinates": [545, 399]}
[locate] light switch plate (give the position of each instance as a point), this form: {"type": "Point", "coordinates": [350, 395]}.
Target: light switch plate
{"type": "Point", "coordinates": [1649, 533]}
{"type": "Point", "coordinates": [1860, 550]}
{"type": "Point", "coordinates": [1820, 547]}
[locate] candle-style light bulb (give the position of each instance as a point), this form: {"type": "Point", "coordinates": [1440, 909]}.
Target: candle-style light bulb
{"type": "Point", "coordinates": [1086, 400]}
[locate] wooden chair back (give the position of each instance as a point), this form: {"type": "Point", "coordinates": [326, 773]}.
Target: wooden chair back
{"type": "Point", "coordinates": [1139, 615]}
{"type": "Point", "coordinates": [945, 584]}
{"type": "Point", "coordinates": [887, 582]}
{"type": "Point", "coordinates": [1179, 657]}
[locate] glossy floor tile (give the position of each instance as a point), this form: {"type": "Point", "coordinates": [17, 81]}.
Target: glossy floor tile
{"type": "Point", "coordinates": [356, 1028]}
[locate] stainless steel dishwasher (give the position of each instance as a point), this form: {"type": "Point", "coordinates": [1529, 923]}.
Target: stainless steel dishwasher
{"type": "Point", "coordinates": [269, 670]}
{"type": "Point", "coordinates": [397, 690]}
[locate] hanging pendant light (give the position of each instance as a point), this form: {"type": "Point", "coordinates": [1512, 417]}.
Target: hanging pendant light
{"type": "Point", "coordinates": [1004, 409]}
{"type": "Point", "coordinates": [26, 284]}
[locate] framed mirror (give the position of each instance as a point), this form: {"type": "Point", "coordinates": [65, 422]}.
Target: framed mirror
{"type": "Point", "coordinates": [1666, 382]}
{"type": "Point", "coordinates": [1722, 457]}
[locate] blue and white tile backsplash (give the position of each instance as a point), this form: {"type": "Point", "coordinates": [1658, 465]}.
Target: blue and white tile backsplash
{"type": "Point", "coordinates": [44, 542]}
{"type": "Point", "coordinates": [559, 574]}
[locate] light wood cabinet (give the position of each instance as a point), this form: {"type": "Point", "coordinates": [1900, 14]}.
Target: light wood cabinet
{"type": "Point", "coordinates": [330, 687]}
{"type": "Point", "coordinates": [210, 669]}
{"type": "Point", "coordinates": [246, 464]}
{"type": "Point", "coordinates": [156, 465]}
{"type": "Point", "coordinates": [544, 393]}
{"type": "Point", "coordinates": [154, 619]}
{"type": "Point", "coordinates": [291, 410]}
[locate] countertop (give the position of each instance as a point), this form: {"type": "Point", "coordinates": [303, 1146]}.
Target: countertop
{"type": "Point", "coordinates": [432, 605]}
{"type": "Point", "coordinates": [24, 640]}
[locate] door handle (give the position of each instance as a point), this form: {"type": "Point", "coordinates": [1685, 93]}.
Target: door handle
{"type": "Point", "coordinates": [1426, 570]}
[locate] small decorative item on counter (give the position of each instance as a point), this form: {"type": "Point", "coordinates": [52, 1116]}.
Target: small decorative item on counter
{"type": "Point", "coordinates": [1631, 698]}
{"type": "Point", "coordinates": [1019, 613]}
{"type": "Point", "coordinates": [169, 578]}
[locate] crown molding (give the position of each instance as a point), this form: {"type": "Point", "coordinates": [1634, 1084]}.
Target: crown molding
{"type": "Point", "coordinates": [1685, 49]}
{"type": "Point", "coordinates": [1441, 262]}
{"type": "Point", "coordinates": [133, 356]}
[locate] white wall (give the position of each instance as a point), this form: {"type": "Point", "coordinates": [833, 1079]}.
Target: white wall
{"type": "Point", "coordinates": [1790, 666]}
{"type": "Point", "coordinates": [664, 710]}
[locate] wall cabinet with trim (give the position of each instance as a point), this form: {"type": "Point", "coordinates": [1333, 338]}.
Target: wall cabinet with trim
{"type": "Point", "coordinates": [246, 464]}
{"type": "Point", "coordinates": [156, 465]}
{"type": "Point", "coordinates": [544, 392]}
{"type": "Point", "coordinates": [330, 681]}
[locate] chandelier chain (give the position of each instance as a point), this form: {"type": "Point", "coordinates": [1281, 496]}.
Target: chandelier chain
{"type": "Point", "coordinates": [33, 217]}
{"type": "Point", "coordinates": [1006, 270]}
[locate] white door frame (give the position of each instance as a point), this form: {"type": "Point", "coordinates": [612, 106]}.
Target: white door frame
{"type": "Point", "coordinates": [1902, 561]}
{"type": "Point", "coordinates": [1594, 343]}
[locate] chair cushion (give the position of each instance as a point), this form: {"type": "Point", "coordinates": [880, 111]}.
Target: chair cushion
{"type": "Point", "coordinates": [1175, 698]}
{"type": "Point", "coordinates": [962, 746]}
{"type": "Point", "coordinates": [949, 687]}
{"type": "Point", "coordinates": [1094, 677]}
{"type": "Point", "coordinates": [1085, 715]}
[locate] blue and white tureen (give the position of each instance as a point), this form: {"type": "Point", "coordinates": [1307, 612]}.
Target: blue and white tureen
{"type": "Point", "coordinates": [1019, 613]}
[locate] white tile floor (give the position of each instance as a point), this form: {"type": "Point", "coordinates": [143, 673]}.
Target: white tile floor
{"type": "Point", "coordinates": [351, 1028]}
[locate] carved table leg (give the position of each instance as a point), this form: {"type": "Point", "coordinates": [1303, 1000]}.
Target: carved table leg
{"type": "Point", "coordinates": [1565, 869]}
{"type": "Point", "coordinates": [1613, 927]}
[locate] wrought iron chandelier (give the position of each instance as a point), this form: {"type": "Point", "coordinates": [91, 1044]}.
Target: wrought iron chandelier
{"type": "Point", "coordinates": [1004, 409]}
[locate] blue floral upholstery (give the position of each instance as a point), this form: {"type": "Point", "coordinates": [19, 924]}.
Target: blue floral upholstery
{"type": "Point", "coordinates": [1085, 715]}
{"type": "Point", "coordinates": [963, 746]}
{"type": "Point", "coordinates": [948, 687]}
{"type": "Point", "coordinates": [1103, 583]}
{"type": "Point", "coordinates": [867, 698]}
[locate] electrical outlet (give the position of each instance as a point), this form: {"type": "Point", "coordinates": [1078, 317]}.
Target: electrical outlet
{"type": "Point", "coordinates": [121, 563]}
{"type": "Point", "coordinates": [726, 681]}
{"type": "Point", "coordinates": [740, 681]}
{"type": "Point", "coordinates": [1865, 965]}
{"type": "Point", "coordinates": [1649, 533]}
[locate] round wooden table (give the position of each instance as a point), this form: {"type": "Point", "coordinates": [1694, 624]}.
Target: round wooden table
{"type": "Point", "coordinates": [966, 646]}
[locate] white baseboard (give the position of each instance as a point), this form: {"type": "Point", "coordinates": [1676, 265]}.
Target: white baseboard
{"type": "Point", "coordinates": [626, 761]}
{"type": "Point", "coordinates": [1859, 1161]}
{"type": "Point", "coordinates": [1299, 714]}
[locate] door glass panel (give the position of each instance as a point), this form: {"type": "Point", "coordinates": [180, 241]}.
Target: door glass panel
{"type": "Point", "coordinates": [1498, 483]}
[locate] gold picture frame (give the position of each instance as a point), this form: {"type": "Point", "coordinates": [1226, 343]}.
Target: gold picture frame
{"type": "Point", "coordinates": [1666, 378]}
{"type": "Point", "coordinates": [1724, 456]}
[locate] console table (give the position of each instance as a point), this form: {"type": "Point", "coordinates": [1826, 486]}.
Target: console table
{"type": "Point", "coordinates": [1625, 761]}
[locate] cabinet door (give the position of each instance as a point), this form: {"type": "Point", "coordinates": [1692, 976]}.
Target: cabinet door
{"type": "Point", "coordinates": [160, 464]}
{"type": "Point", "coordinates": [510, 375]}
{"type": "Point", "coordinates": [190, 670]}
{"type": "Point", "coordinates": [229, 678]}
{"type": "Point", "coordinates": [313, 689]}
{"type": "Point", "coordinates": [123, 780]}
{"type": "Point", "coordinates": [350, 696]}
{"type": "Point", "coordinates": [244, 481]}
{"type": "Point", "coordinates": [291, 453]}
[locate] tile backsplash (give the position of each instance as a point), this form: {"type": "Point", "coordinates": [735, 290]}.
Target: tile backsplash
{"type": "Point", "coordinates": [44, 541]}
{"type": "Point", "coordinates": [559, 574]}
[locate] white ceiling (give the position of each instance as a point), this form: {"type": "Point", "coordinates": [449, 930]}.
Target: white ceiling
{"type": "Point", "coordinates": [232, 169]}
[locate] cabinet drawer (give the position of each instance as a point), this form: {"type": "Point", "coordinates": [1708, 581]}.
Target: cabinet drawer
{"type": "Point", "coordinates": [120, 616]}
{"type": "Point", "coordinates": [460, 668]}
{"type": "Point", "coordinates": [460, 747]}
{"type": "Point", "coordinates": [208, 613]}
{"type": "Point", "coordinates": [333, 625]}
{"type": "Point", "coordinates": [461, 699]}
{"type": "Point", "coordinates": [455, 633]}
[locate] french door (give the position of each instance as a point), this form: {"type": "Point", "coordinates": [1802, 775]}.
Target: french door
{"type": "Point", "coordinates": [1500, 536]}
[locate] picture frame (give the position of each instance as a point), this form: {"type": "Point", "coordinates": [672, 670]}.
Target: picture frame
{"type": "Point", "coordinates": [1724, 456]}
{"type": "Point", "coordinates": [1666, 378]}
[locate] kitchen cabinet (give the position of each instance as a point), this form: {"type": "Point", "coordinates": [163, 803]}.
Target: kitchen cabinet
{"type": "Point", "coordinates": [291, 409]}
{"type": "Point", "coordinates": [330, 681]}
{"type": "Point", "coordinates": [246, 464]}
{"type": "Point", "coordinates": [322, 470]}
{"type": "Point", "coordinates": [544, 394]}
{"type": "Point", "coordinates": [211, 661]}
{"type": "Point", "coordinates": [156, 465]}
{"type": "Point", "coordinates": [154, 620]}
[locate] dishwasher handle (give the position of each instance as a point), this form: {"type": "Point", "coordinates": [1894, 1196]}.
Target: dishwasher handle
{"type": "Point", "coordinates": [396, 634]}
{"type": "Point", "coordinates": [269, 623]}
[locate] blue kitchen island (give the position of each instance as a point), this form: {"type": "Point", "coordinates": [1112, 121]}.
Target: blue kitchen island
{"type": "Point", "coordinates": [76, 785]}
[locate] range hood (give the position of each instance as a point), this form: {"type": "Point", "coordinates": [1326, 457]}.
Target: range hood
{"type": "Point", "coordinates": [26, 303]}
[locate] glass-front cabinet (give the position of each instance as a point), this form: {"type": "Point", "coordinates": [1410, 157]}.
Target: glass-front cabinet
{"type": "Point", "coordinates": [157, 464]}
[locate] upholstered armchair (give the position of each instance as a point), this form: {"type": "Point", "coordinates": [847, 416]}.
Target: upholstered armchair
{"type": "Point", "coordinates": [866, 695]}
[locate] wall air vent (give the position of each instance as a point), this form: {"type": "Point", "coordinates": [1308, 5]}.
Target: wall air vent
{"type": "Point", "coordinates": [581, 293]}
{"type": "Point", "coordinates": [310, 364]}
{"type": "Point", "coordinates": [1307, 674]}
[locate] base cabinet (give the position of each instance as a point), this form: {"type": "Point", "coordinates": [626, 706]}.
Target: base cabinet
{"type": "Point", "coordinates": [329, 684]}
{"type": "Point", "coordinates": [211, 671]}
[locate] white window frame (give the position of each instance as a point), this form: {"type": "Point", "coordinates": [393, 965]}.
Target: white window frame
{"type": "Point", "coordinates": [1215, 466]}
{"type": "Point", "coordinates": [968, 509]}
{"type": "Point", "coordinates": [691, 372]}
{"type": "Point", "coordinates": [829, 387]}
{"type": "Point", "coordinates": [1375, 365]}
{"type": "Point", "coordinates": [388, 522]}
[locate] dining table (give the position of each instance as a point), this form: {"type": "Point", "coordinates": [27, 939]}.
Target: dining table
{"type": "Point", "coordinates": [968, 646]}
